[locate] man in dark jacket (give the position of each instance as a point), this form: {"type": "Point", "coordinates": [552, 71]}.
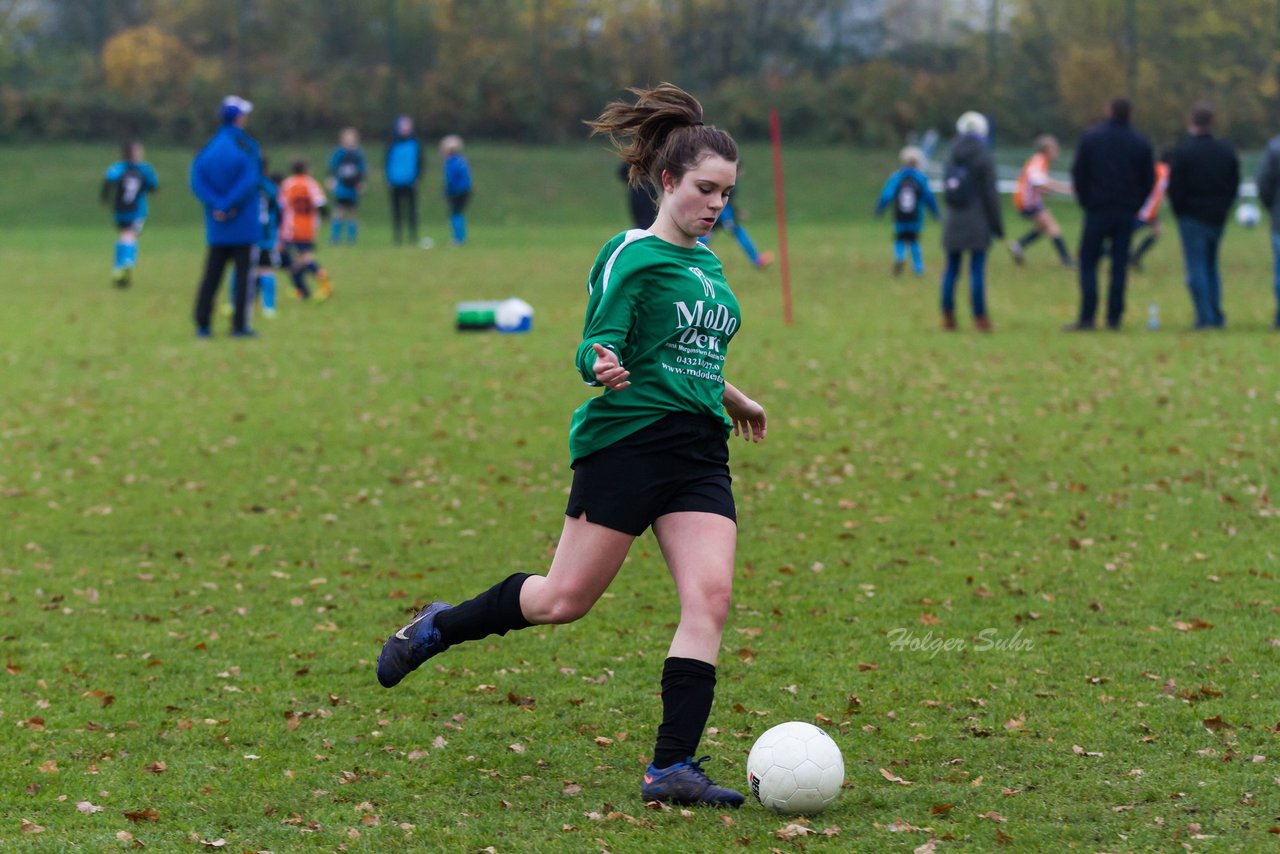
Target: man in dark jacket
{"type": "Point", "coordinates": [1269, 195]}
{"type": "Point", "coordinates": [1112, 175]}
{"type": "Point", "coordinates": [1204, 177]}
{"type": "Point", "coordinates": [224, 177]}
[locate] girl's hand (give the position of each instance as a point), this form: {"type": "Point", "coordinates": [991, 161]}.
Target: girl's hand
{"type": "Point", "coordinates": [609, 372]}
{"type": "Point", "coordinates": [748, 417]}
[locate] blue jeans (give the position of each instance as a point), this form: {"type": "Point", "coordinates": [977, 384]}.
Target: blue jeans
{"type": "Point", "coordinates": [1100, 229]}
{"type": "Point", "coordinates": [1275, 282]}
{"type": "Point", "coordinates": [1200, 242]}
{"type": "Point", "coordinates": [977, 281]}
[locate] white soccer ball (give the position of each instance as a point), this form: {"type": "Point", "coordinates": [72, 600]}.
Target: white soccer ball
{"type": "Point", "coordinates": [513, 315]}
{"type": "Point", "coordinates": [795, 768]}
{"type": "Point", "coordinates": [1247, 214]}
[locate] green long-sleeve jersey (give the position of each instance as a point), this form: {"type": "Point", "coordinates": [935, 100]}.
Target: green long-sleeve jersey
{"type": "Point", "coordinates": [669, 315]}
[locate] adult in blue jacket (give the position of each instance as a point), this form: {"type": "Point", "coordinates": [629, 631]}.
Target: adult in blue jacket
{"type": "Point", "coordinates": [403, 167]}
{"type": "Point", "coordinates": [225, 177]}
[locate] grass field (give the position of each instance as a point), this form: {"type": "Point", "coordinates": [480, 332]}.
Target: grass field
{"type": "Point", "coordinates": [1031, 575]}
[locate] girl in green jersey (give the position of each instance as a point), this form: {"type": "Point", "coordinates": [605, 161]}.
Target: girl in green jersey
{"type": "Point", "coordinates": [652, 448]}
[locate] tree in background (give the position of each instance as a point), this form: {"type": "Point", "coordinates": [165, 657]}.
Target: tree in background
{"type": "Point", "coordinates": [857, 71]}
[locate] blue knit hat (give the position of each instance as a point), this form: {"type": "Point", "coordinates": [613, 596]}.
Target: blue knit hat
{"type": "Point", "coordinates": [233, 106]}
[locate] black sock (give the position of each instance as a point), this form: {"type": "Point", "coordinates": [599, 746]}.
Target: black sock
{"type": "Point", "coordinates": [1029, 238]}
{"type": "Point", "coordinates": [494, 612]}
{"type": "Point", "coordinates": [1147, 243]}
{"type": "Point", "coordinates": [299, 281]}
{"type": "Point", "coordinates": [1061, 246]}
{"type": "Point", "coordinates": [688, 687]}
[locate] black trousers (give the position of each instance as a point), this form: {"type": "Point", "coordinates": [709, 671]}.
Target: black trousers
{"type": "Point", "coordinates": [404, 206]}
{"type": "Point", "coordinates": [1111, 232]}
{"type": "Point", "coordinates": [215, 264]}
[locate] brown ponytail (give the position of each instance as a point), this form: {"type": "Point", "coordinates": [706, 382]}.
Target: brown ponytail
{"type": "Point", "coordinates": [661, 132]}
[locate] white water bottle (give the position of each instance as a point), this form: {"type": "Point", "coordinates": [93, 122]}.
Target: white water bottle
{"type": "Point", "coordinates": [1153, 316]}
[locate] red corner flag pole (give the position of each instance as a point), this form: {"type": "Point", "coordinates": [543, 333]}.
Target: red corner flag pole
{"type": "Point", "coordinates": [779, 201]}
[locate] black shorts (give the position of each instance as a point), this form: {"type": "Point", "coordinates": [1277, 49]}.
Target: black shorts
{"type": "Point", "coordinates": [347, 205]}
{"type": "Point", "coordinates": [679, 463]}
{"type": "Point", "coordinates": [907, 236]}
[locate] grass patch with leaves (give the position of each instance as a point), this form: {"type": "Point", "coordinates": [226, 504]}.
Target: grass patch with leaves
{"type": "Point", "coordinates": [1027, 580]}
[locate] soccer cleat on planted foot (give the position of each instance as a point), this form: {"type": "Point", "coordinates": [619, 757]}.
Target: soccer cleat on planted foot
{"type": "Point", "coordinates": [685, 783]}
{"type": "Point", "coordinates": [406, 650]}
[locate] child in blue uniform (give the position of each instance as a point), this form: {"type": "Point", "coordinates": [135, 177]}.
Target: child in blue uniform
{"type": "Point", "coordinates": [907, 190]}
{"type": "Point", "coordinates": [457, 185]}
{"type": "Point", "coordinates": [268, 254]}
{"type": "Point", "coordinates": [729, 222]}
{"type": "Point", "coordinates": [348, 170]}
{"type": "Point", "coordinates": [125, 187]}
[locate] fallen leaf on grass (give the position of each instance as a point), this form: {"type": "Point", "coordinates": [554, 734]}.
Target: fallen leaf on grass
{"type": "Point", "coordinates": [157, 767]}
{"type": "Point", "coordinates": [31, 827]}
{"type": "Point", "coordinates": [893, 778]}
{"type": "Point", "coordinates": [49, 766]}
{"type": "Point", "coordinates": [1002, 838]}
{"type": "Point", "coordinates": [900, 826]}
{"type": "Point", "coordinates": [1216, 724]}
{"type": "Point", "coordinates": [87, 808]}
{"type": "Point", "coordinates": [1196, 625]}
{"type": "Point", "coordinates": [571, 789]}
{"type": "Point", "coordinates": [791, 831]}
{"type": "Point", "coordinates": [927, 848]}
{"type": "Point", "coordinates": [993, 816]}
{"type": "Point", "coordinates": [147, 814]}
{"type": "Point", "coordinates": [1080, 751]}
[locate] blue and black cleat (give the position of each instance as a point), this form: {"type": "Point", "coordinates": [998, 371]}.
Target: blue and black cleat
{"type": "Point", "coordinates": [685, 783]}
{"type": "Point", "coordinates": [406, 650]}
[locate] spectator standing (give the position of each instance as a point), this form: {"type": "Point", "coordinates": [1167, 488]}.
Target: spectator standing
{"type": "Point", "coordinates": [1204, 178]}
{"type": "Point", "coordinates": [224, 177]}
{"type": "Point", "coordinates": [403, 167]}
{"type": "Point", "coordinates": [1113, 173]}
{"type": "Point", "coordinates": [973, 217]}
{"type": "Point", "coordinates": [1269, 194]}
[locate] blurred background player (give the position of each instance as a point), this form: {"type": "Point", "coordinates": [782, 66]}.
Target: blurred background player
{"type": "Point", "coordinates": [268, 256]}
{"type": "Point", "coordinates": [302, 200]}
{"type": "Point", "coordinates": [403, 167]}
{"type": "Point", "coordinates": [729, 222]}
{"type": "Point", "coordinates": [908, 191]}
{"type": "Point", "coordinates": [1149, 214]}
{"type": "Point", "coordinates": [457, 185]}
{"type": "Point", "coordinates": [348, 171]}
{"type": "Point", "coordinates": [125, 187]}
{"type": "Point", "coordinates": [1028, 198]}
{"type": "Point", "coordinates": [644, 210]}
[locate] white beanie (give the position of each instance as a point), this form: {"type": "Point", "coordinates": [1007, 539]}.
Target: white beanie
{"type": "Point", "coordinates": [972, 122]}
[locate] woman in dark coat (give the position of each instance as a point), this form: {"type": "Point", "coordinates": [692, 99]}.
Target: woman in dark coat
{"type": "Point", "coordinates": [973, 217]}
